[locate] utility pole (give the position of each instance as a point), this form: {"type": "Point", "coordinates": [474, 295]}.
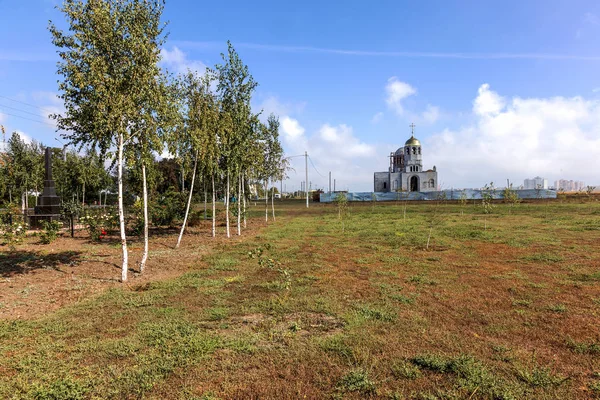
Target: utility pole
{"type": "Point", "coordinates": [306, 168]}
{"type": "Point", "coordinates": [329, 182]}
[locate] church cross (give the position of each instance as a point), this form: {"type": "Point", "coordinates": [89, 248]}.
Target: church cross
{"type": "Point", "coordinates": [412, 129]}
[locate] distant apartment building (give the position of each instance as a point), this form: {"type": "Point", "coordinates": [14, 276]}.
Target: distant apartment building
{"type": "Point", "coordinates": [536, 183]}
{"type": "Point", "coordinates": [569, 185]}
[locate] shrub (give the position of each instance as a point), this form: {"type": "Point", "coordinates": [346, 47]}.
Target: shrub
{"type": "Point", "coordinates": [13, 233]}
{"type": "Point", "coordinates": [170, 206]}
{"type": "Point", "coordinates": [50, 233]}
{"type": "Point", "coordinates": [99, 224]}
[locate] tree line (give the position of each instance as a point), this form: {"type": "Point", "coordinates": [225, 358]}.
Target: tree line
{"type": "Point", "coordinates": [121, 106]}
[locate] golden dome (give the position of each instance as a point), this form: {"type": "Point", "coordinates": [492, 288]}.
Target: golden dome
{"type": "Point", "coordinates": [413, 141]}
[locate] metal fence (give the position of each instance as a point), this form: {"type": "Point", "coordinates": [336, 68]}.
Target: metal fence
{"type": "Point", "coordinates": [450, 194]}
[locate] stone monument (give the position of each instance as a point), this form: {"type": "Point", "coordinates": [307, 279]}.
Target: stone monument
{"type": "Point", "coordinates": [48, 207]}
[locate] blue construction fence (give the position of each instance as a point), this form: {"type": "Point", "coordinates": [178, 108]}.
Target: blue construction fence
{"type": "Point", "coordinates": [450, 194]}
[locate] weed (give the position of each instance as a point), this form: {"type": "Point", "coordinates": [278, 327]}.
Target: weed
{"type": "Point", "coordinates": [376, 313]}
{"type": "Point", "coordinates": [405, 370]}
{"type": "Point", "coordinates": [595, 388]}
{"type": "Point", "coordinates": [523, 303]}
{"type": "Point", "coordinates": [358, 381]}
{"type": "Point", "coordinates": [471, 375]}
{"type": "Point", "coordinates": [541, 377]}
{"type": "Point", "coordinates": [502, 353]}
{"type": "Point", "coordinates": [543, 257]}
{"type": "Point", "coordinates": [557, 308]}
{"type": "Point", "coordinates": [421, 279]}
{"type": "Point", "coordinates": [62, 389]}
{"type": "Point", "coordinates": [432, 362]}
{"type": "Point", "coordinates": [584, 348]}
{"type": "Point", "coordinates": [593, 277]}
{"type": "Point", "coordinates": [337, 344]}
{"type": "Point", "coordinates": [217, 313]}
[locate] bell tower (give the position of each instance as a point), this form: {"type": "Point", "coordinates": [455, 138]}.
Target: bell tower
{"type": "Point", "coordinates": [412, 153]}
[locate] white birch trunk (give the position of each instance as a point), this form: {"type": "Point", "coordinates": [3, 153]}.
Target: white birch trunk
{"type": "Point", "coordinates": [273, 202]}
{"type": "Point", "coordinates": [239, 206]}
{"type": "Point", "coordinates": [227, 207]}
{"type": "Point", "coordinates": [121, 210]}
{"type": "Point", "coordinates": [244, 198]}
{"type": "Point", "coordinates": [83, 195]}
{"type": "Point", "coordinates": [187, 209]}
{"type": "Point", "coordinates": [145, 197]}
{"type": "Point", "coordinates": [205, 200]}
{"type": "Point", "coordinates": [214, 208]}
{"type": "Point", "coordinates": [267, 201]}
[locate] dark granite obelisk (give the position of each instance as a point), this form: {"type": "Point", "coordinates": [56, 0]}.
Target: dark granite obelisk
{"type": "Point", "coordinates": [49, 202]}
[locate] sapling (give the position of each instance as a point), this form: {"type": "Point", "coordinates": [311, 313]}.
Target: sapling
{"type": "Point", "coordinates": [487, 196]}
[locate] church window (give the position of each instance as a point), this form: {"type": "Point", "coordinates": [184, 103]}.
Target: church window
{"type": "Point", "coordinates": [431, 183]}
{"type": "Point", "coordinates": [419, 150]}
{"type": "Point", "coordinates": [414, 150]}
{"type": "Point", "coordinates": [385, 185]}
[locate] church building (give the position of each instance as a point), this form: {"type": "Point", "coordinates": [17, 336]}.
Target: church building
{"type": "Point", "coordinates": [406, 172]}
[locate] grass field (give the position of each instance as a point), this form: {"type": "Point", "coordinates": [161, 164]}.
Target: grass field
{"type": "Point", "coordinates": [497, 306]}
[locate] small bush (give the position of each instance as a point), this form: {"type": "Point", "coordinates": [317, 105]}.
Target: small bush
{"type": "Point", "coordinates": [50, 233]}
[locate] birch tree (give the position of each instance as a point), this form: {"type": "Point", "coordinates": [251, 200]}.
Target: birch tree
{"type": "Point", "coordinates": [235, 87]}
{"type": "Point", "coordinates": [156, 123]}
{"type": "Point", "coordinates": [200, 134]}
{"type": "Point", "coordinates": [109, 66]}
{"type": "Point", "coordinates": [275, 162]}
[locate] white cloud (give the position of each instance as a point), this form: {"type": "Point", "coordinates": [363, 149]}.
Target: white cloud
{"type": "Point", "coordinates": [272, 105]}
{"type": "Point", "coordinates": [596, 90]}
{"type": "Point", "coordinates": [177, 61]}
{"type": "Point", "coordinates": [24, 137]}
{"type": "Point", "coordinates": [396, 92]}
{"type": "Point", "coordinates": [377, 118]}
{"type": "Point", "coordinates": [487, 102]}
{"type": "Point", "coordinates": [551, 137]}
{"type": "Point", "coordinates": [291, 128]}
{"type": "Point", "coordinates": [431, 114]}
{"type": "Point", "coordinates": [332, 148]}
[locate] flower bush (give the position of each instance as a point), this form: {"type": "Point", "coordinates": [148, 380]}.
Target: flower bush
{"type": "Point", "coordinates": [99, 224]}
{"type": "Point", "coordinates": [13, 233]}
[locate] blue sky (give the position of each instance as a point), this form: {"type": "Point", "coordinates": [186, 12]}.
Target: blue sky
{"type": "Point", "coordinates": [505, 90]}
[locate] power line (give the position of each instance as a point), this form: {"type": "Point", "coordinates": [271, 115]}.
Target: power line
{"type": "Point", "coordinates": [19, 110]}
{"type": "Point", "coordinates": [22, 102]}
{"type": "Point", "coordinates": [315, 168]}
{"type": "Point", "coordinates": [30, 119]}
